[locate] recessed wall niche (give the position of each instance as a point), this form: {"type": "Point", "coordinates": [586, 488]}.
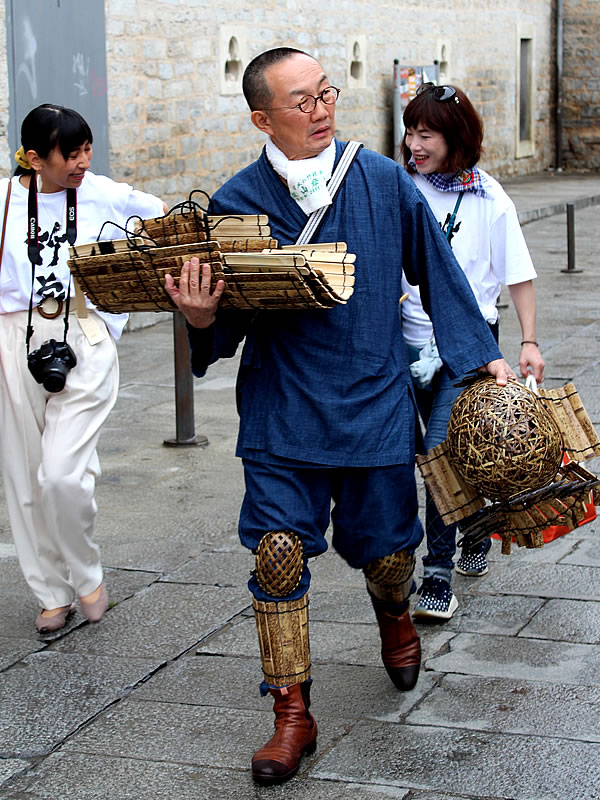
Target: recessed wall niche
{"type": "Point", "coordinates": [443, 54]}
{"type": "Point", "coordinates": [232, 58]}
{"type": "Point", "coordinates": [356, 60]}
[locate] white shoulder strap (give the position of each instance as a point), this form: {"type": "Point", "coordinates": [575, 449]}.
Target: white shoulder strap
{"type": "Point", "coordinates": [335, 182]}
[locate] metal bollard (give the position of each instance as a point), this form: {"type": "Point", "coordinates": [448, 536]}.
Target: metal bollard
{"type": "Point", "coordinates": [571, 240]}
{"type": "Point", "coordinates": [184, 389]}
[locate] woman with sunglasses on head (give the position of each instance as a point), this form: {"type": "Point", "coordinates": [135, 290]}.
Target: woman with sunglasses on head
{"type": "Point", "coordinates": [441, 147]}
{"type": "Point", "coordinates": [59, 372]}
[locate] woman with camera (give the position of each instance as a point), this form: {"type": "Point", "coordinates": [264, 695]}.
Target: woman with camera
{"type": "Point", "coordinates": [58, 360]}
{"type": "Point", "coordinates": [441, 147]}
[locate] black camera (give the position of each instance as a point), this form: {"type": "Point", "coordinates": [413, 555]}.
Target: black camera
{"type": "Point", "coordinates": [50, 363]}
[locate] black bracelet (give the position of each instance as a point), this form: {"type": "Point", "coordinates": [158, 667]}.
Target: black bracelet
{"type": "Point", "coordinates": [529, 341]}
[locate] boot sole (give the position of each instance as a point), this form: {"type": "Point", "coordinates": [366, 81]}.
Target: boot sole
{"type": "Point", "coordinates": [272, 780]}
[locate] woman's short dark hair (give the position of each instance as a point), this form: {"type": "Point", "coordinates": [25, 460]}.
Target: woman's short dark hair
{"type": "Point", "coordinates": [459, 123]}
{"type": "Point", "coordinates": [48, 126]}
{"type": "Point", "coordinates": [256, 89]}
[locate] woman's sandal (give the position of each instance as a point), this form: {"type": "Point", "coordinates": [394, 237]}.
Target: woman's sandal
{"type": "Point", "coordinates": [55, 622]}
{"type": "Point", "coordinates": [94, 611]}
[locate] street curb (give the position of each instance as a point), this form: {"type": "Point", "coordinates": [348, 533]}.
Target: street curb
{"type": "Point", "coordinates": [559, 208]}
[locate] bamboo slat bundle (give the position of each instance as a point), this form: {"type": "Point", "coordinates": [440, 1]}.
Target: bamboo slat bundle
{"type": "Point", "coordinates": [454, 498]}
{"type": "Point", "coordinates": [132, 278]}
{"type": "Point", "coordinates": [195, 225]}
{"type": "Point", "coordinates": [579, 436]}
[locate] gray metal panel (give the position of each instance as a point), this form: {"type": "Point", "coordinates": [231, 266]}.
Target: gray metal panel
{"type": "Point", "coordinates": [403, 94]}
{"type": "Point", "coordinates": [56, 54]}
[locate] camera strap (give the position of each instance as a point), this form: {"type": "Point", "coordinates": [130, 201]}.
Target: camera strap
{"type": "Point", "coordinates": [34, 249]}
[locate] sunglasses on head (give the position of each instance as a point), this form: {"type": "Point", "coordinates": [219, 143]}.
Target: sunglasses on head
{"type": "Point", "coordinates": [440, 93]}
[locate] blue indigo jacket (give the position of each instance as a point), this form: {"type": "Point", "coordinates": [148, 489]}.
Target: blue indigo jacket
{"type": "Point", "coordinates": [332, 387]}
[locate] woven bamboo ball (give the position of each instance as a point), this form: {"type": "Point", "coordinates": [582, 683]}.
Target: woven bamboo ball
{"type": "Point", "coordinates": [502, 440]}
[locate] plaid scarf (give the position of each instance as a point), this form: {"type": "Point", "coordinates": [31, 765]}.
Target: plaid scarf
{"type": "Point", "coordinates": [467, 180]}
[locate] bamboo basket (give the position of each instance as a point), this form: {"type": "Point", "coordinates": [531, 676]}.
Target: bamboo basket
{"type": "Point", "coordinates": [129, 274]}
{"type": "Point", "coordinates": [506, 450]}
{"type": "Point", "coordinates": [132, 277]}
{"type": "Point", "coordinates": [502, 439]}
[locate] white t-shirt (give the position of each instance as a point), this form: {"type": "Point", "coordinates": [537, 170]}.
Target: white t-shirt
{"type": "Point", "coordinates": [98, 199]}
{"type": "Point", "coordinates": [487, 242]}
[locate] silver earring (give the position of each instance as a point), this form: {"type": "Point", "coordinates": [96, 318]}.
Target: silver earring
{"type": "Point", "coordinates": [38, 180]}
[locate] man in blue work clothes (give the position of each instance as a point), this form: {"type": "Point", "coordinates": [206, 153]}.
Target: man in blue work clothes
{"type": "Point", "coordinates": [327, 420]}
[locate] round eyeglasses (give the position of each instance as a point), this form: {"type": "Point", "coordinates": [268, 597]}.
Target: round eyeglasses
{"type": "Point", "coordinates": [307, 105]}
{"type": "Point", "coordinates": [440, 93]}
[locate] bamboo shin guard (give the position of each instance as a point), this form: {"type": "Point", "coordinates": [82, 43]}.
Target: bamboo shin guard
{"type": "Point", "coordinates": [283, 637]}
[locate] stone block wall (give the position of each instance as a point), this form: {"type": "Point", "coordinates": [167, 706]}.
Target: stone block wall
{"type": "Point", "coordinates": [177, 120]}
{"type": "Point", "coordinates": [581, 84]}
{"type": "Point", "coordinates": [173, 128]}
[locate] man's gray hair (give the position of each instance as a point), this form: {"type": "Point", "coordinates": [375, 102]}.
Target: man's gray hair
{"type": "Point", "coordinates": [255, 87]}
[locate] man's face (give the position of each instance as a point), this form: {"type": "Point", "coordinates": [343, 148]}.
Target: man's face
{"type": "Point", "coordinates": [296, 134]}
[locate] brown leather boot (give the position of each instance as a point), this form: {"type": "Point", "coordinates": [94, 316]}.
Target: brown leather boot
{"type": "Point", "coordinates": [295, 734]}
{"type": "Point", "coordinates": [400, 645]}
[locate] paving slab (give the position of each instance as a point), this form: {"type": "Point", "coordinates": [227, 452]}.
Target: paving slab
{"type": "Point", "coordinates": [13, 649]}
{"type": "Point", "coordinates": [124, 583]}
{"type": "Point", "coordinates": [546, 580]}
{"type": "Point", "coordinates": [10, 767]}
{"type": "Point", "coordinates": [19, 606]}
{"type": "Point", "coordinates": [312, 789]}
{"type": "Point", "coordinates": [196, 735]}
{"type": "Point", "coordinates": [337, 643]}
{"type": "Point", "coordinates": [185, 521]}
{"type": "Point", "coordinates": [334, 572]}
{"type": "Point", "coordinates": [507, 705]}
{"type": "Point", "coordinates": [586, 553]}
{"type": "Point", "coordinates": [66, 691]}
{"type": "Point", "coordinates": [488, 613]}
{"type": "Point", "coordinates": [346, 606]}
{"type": "Point", "coordinates": [418, 795]}
{"type": "Point", "coordinates": [348, 692]}
{"type": "Point", "coordinates": [79, 776]}
{"type": "Point", "coordinates": [539, 196]}
{"type": "Point", "coordinates": [20, 617]}
{"type": "Point", "coordinates": [521, 659]}
{"type": "Point", "coordinates": [220, 568]}
{"type": "Point", "coordinates": [566, 621]}
{"type": "Point", "coordinates": [160, 621]}
{"type": "Point", "coordinates": [476, 764]}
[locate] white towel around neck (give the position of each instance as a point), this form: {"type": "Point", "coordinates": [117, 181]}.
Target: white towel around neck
{"type": "Point", "coordinates": [306, 178]}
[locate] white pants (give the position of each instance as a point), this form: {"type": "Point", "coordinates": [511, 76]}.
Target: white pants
{"type": "Point", "coordinates": [48, 456]}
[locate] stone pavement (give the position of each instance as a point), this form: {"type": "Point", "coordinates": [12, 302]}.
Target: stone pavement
{"type": "Point", "coordinates": [160, 699]}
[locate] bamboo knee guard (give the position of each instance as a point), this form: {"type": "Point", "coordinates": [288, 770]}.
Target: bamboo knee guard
{"type": "Point", "coordinates": [283, 625]}
{"type": "Point", "coordinates": [390, 578]}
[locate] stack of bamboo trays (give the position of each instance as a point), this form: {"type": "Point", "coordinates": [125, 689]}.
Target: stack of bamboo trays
{"type": "Point", "coordinates": [132, 278]}
{"type": "Point", "coordinates": [320, 277]}
{"type": "Point", "coordinates": [243, 233]}
{"type": "Point", "coordinates": [127, 275]}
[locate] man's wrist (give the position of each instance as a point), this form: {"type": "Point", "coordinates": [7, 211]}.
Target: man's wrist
{"type": "Point", "coordinates": [201, 322]}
